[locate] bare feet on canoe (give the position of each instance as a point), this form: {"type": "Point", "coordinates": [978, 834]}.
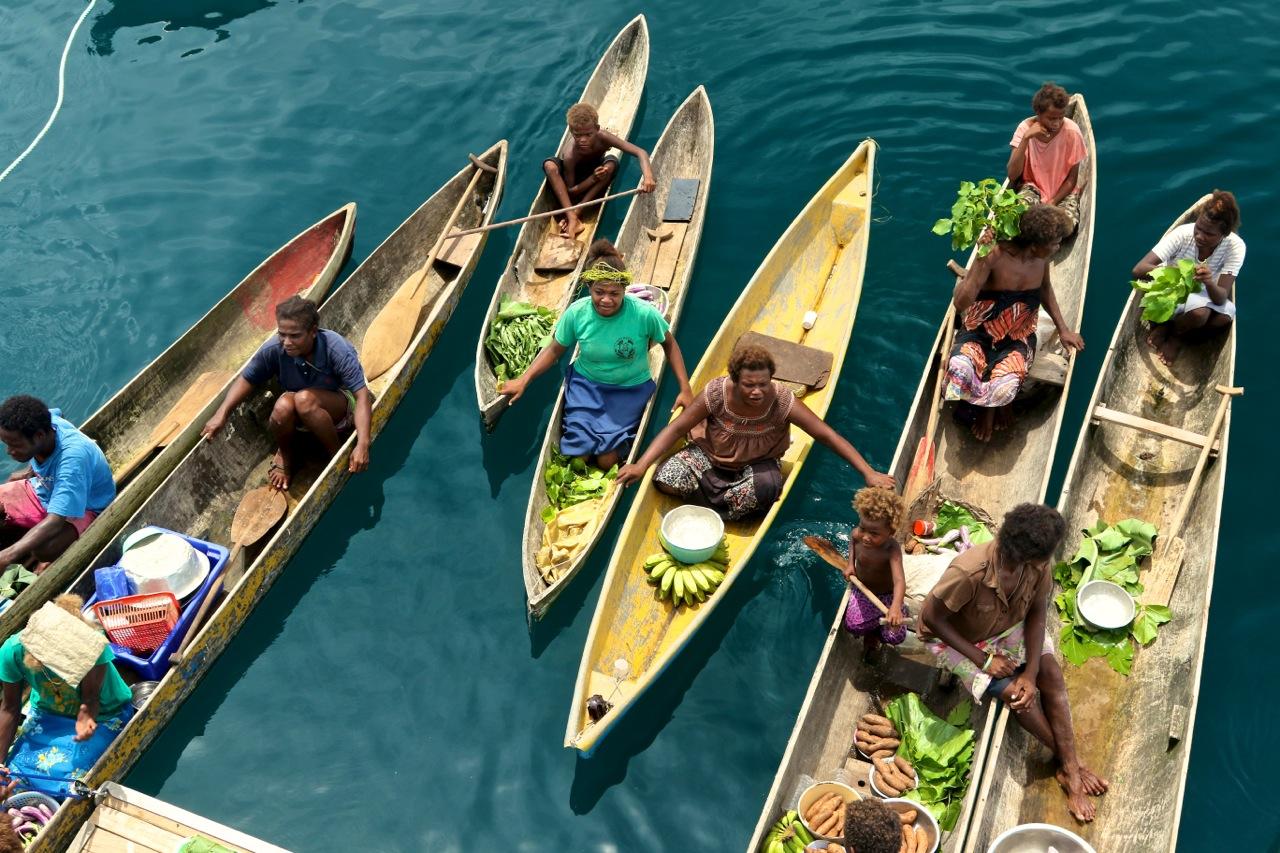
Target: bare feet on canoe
{"type": "Point", "coordinates": [1004, 417]}
{"type": "Point", "coordinates": [1166, 345]}
{"type": "Point", "coordinates": [1078, 802]}
{"type": "Point", "coordinates": [1094, 785]}
{"type": "Point", "coordinates": [983, 423]}
{"type": "Point", "coordinates": [278, 475]}
{"type": "Point", "coordinates": [571, 227]}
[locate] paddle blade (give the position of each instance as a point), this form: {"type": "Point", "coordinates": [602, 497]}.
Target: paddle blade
{"type": "Point", "coordinates": [1160, 581]}
{"type": "Point", "coordinates": [922, 469]}
{"type": "Point", "coordinates": [258, 512]}
{"type": "Point", "coordinates": [390, 333]}
{"type": "Point", "coordinates": [193, 400]}
{"type": "Point", "coordinates": [825, 549]}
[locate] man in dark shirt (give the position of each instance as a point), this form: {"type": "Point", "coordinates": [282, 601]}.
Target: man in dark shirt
{"type": "Point", "coordinates": [324, 389]}
{"type": "Point", "coordinates": [985, 620]}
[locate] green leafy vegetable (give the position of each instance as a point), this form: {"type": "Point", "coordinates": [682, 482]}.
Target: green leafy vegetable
{"type": "Point", "coordinates": [14, 580]}
{"type": "Point", "coordinates": [951, 516]}
{"type": "Point", "coordinates": [940, 752]}
{"type": "Point", "coordinates": [961, 713]}
{"type": "Point", "coordinates": [1110, 553]}
{"type": "Point", "coordinates": [977, 206]}
{"type": "Point", "coordinates": [1165, 289]}
{"type": "Point", "coordinates": [571, 481]}
{"type": "Point", "coordinates": [517, 334]}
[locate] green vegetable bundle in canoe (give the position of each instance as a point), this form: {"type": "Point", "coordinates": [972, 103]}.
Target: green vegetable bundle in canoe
{"type": "Point", "coordinates": [941, 751]}
{"type": "Point", "coordinates": [572, 481]}
{"type": "Point", "coordinates": [977, 206]}
{"type": "Point", "coordinates": [1166, 289]}
{"type": "Point", "coordinates": [516, 336]}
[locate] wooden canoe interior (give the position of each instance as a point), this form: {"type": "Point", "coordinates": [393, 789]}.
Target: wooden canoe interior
{"type": "Point", "coordinates": [125, 821]}
{"type": "Point", "coordinates": [1134, 731]}
{"type": "Point", "coordinates": [1012, 468]}
{"type": "Point", "coordinates": [614, 89]}
{"type": "Point", "coordinates": [630, 621]}
{"type": "Point", "coordinates": [684, 150]}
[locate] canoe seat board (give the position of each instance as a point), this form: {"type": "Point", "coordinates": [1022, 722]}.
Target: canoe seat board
{"type": "Point", "coordinates": [558, 254]}
{"type": "Point", "coordinates": [457, 251]}
{"type": "Point", "coordinates": [795, 363]}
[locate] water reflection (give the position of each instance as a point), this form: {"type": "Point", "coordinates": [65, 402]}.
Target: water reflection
{"type": "Point", "coordinates": [206, 14]}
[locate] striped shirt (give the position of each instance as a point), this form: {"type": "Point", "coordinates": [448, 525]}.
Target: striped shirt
{"type": "Point", "coordinates": [1180, 243]}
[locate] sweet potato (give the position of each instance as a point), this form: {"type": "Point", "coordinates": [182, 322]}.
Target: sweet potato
{"type": "Point", "coordinates": [881, 753]}
{"type": "Point", "coordinates": [882, 730]}
{"type": "Point", "coordinates": [908, 817]}
{"type": "Point", "coordinates": [836, 848]}
{"type": "Point", "coordinates": [827, 827]}
{"type": "Point", "coordinates": [909, 840]}
{"type": "Point", "coordinates": [875, 720]}
{"type": "Point", "coordinates": [841, 811]}
{"type": "Point", "coordinates": [887, 787]}
{"type": "Point", "coordinates": [922, 839]}
{"type": "Point", "coordinates": [904, 766]}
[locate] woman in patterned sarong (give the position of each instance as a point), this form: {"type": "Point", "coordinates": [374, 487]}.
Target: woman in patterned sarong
{"type": "Point", "coordinates": [998, 302]}
{"type": "Point", "coordinates": [739, 427]}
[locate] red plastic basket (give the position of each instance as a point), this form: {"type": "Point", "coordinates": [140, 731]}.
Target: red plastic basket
{"type": "Point", "coordinates": [138, 622]}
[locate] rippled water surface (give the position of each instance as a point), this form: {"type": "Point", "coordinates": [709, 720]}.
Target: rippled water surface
{"type": "Point", "coordinates": [387, 695]}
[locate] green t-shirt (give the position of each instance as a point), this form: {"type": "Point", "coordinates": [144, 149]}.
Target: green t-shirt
{"type": "Point", "coordinates": [53, 694]}
{"type": "Point", "coordinates": [612, 350]}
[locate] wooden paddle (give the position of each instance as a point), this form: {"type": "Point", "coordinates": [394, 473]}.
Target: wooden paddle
{"type": "Point", "coordinates": [922, 470]}
{"type": "Point", "coordinates": [195, 398]}
{"type": "Point", "coordinates": [1167, 564]}
{"type": "Point", "coordinates": [656, 238]}
{"type": "Point", "coordinates": [544, 214]}
{"type": "Point", "coordinates": [827, 550]}
{"type": "Point", "coordinates": [389, 334]}
{"type": "Point", "coordinates": [259, 511]}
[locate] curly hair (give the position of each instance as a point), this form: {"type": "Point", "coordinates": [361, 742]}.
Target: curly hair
{"type": "Point", "coordinates": [300, 310]}
{"type": "Point", "coordinates": [1030, 533]}
{"type": "Point", "coordinates": [1041, 225]}
{"type": "Point", "coordinates": [10, 841]}
{"type": "Point", "coordinates": [25, 414]}
{"type": "Point", "coordinates": [582, 117]}
{"type": "Point", "coordinates": [604, 250]}
{"type": "Point", "coordinates": [1221, 209]}
{"type": "Point", "coordinates": [872, 827]}
{"type": "Point", "coordinates": [750, 357]}
{"type": "Point", "coordinates": [880, 504]}
{"type": "Point", "coordinates": [1049, 95]}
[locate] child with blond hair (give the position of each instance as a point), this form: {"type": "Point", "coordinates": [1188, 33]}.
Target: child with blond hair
{"type": "Point", "coordinates": [875, 558]}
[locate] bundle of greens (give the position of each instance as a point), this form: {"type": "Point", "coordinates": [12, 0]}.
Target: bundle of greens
{"type": "Point", "coordinates": [952, 516]}
{"type": "Point", "coordinates": [941, 751]}
{"type": "Point", "coordinates": [516, 335]}
{"type": "Point", "coordinates": [977, 206]}
{"type": "Point", "coordinates": [14, 580]}
{"type": "Point", "coordinates": [571, 481]}
{"type": "Point", "coordinates": [1108, 553]}
{"type": "Point", "coordinates": [1165, 289]}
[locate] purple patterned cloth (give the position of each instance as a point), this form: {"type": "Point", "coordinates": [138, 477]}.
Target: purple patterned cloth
{"type": "Point", "coordinates": [863, 617]}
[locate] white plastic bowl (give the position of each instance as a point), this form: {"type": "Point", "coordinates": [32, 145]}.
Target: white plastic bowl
{"type": "Point", "coordinates": [817, 791]}
{"type": "Point", "coordinates": [923, 819]}
{"type": "Point", "coordinates": [692, 552]}
{"type": "Point", "coordinates": [1037, 837]}
{"type": "Point", "coordinates": [875, 775]}
{"type": "Point", "coordinates": [1105, 605]}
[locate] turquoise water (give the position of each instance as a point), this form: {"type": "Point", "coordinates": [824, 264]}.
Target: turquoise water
{"type": "Point", "coordinates": [387, 695]}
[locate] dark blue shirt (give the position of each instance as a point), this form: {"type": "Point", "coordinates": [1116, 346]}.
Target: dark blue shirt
{"type": "Point", "coordinates": [333, 366]}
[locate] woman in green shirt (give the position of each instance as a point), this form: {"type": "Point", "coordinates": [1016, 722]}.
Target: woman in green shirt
{"type": "Point", "coordinates": [609, 384]}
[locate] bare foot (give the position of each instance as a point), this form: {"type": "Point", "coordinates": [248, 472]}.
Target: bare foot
{"type": "Point", "coordinates": [572, 227]}
{"type": "Point", "coordinates": [1078, 802]}
{"type": "Point", "coordinates": [1094, 785]}
{"type": "Point", "coordinates": [870, 645]}
{"type": "Point", "coordinates": [278, 476]}
{"type": "Point", "coordinates": [982, 425]}
{"type": "Point", "coordinates": [1169, 349]}
{"type": "Point", "coordinates": [1004, 417]}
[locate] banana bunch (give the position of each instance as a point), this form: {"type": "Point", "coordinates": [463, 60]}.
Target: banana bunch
{"type": "Point", "coordinates": [687, 584]}
{"type": "Point", "coordinates": [788, 835]}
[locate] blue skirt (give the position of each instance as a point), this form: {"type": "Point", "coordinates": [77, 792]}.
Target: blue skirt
{"type": "Point", "coordinates": [46, 746]}
{"type": "Point", "coordinates": [598, 417]}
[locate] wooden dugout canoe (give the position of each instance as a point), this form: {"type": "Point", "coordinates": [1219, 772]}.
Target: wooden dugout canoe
{"type": "Point", "coordinates": [1012, 468]}
{"type": "Point", "coordinates": [685, 150]}
{"type": "Point", "coordinates": [818, 265]}
{"type": "Point", "coordinates": [201, 495]}
{"type": "Point", "coordinates": [1134, 731]}
{"type": "Point", "coordinates": [614, 89]}
{"type": "Point", "coordinates": [222, 340]}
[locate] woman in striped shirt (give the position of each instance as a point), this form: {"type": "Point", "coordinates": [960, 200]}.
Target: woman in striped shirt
{"type": "Point", "coordinates": [1218, 251]}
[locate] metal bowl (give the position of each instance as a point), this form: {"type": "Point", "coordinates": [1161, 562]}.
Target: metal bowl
{"type": "Point", "coordinates": [923, 819]}
{"type": "Point", "coordinates": [1105, 605]}
{"type": "Point", "coordinates": [142, 692]}
{"type": "Point", "coordinates": [1037, 838]}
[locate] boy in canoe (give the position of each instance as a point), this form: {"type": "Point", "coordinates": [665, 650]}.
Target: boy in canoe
{"type": "Point", "coordinates": [584, 171]}
{"type": "Point", "coordinates": [875, 558]}
{"type": "Point", "coordinates": [323, 384]}
{"type": "Point", "coordinates": [998, 302]}
{"type": "Point", "coordinates": [986, 622]}
{"type": "Point", "coordinates": [64, 484]}
{"type": "Point", "coordinates": [1047, 151]}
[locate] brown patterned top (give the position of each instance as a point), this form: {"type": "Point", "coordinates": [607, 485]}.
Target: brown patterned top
{"type": "Point", "coordinates": [732, 440]}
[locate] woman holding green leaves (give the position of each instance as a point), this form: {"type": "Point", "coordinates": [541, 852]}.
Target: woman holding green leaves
{"type": "Point", "coordinates": [609, 384]}
{"type": "Point", "coordinates": [1218, 252]}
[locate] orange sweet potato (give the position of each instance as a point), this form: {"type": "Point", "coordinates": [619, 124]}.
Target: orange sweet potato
{"type": "Point", "coordinates": [908, 817]}
{"type": "Point", "coordinates": [905, 766]}
{"type": "Point", "coordinates": [922, 839]}
{"type": "Point", "coordinates": [875, 720]}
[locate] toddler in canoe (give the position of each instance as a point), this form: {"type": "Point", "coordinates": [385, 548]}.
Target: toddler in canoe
{"type": "Point", "coordinates": [875, 557]}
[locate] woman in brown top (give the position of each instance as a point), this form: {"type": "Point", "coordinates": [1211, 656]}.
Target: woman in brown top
{"type": "Point", "coordinates": [738, 428]}
{"type": "Point", "coordinates": [988, 613]}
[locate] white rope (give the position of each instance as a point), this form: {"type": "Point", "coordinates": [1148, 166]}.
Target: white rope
{"type": "Point", "coordinates": [62, 87]}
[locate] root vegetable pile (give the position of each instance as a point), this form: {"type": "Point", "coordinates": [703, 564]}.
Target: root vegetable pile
{"type": "Point", "coordinates": [875, 736]}
{"type": "Point", "coordinates": [826, 815]}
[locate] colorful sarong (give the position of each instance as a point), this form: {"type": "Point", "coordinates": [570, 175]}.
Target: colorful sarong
{"type": "Point", "coordinates": [750, 490]}
{"type": "Point", "coordinates": [1011, 644]}
{"type": "Point", "coordinates": [599, 417]}
{"type": "Point", "coordinates": [994, 348]}
{"type": "Point", "coordinates": [862, 617]}
{"type": "Point", "coordinates": [19, 507]}
{"type": "Point", "coordinates": [46, 746]}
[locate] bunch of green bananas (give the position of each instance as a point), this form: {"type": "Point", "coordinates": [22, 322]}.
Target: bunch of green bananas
{"type": "Point", "coordinates": [686, 584]}
{"type": "Point", "coordinates": [788, 835]}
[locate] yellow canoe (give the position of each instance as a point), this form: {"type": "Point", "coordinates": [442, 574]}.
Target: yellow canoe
{"type": "Point", "coordinates": [1134, 731]}
{"type": "Point", "coordinates": [685, 149]}
{"type": "Point", "coordinates": [817, 265]}
{"type": "Point", "coordinates": [1012, 468]}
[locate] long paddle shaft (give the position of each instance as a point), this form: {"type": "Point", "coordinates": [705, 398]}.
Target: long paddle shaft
{"type": "Point", "coordinates": [494, 225]}
{"type": "Point", "coordinates": [825, 549]}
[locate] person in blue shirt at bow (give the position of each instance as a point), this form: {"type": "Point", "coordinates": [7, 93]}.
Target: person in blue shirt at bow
{"type": "Point", "coordinates": [65, 482]}
{"type": "Point", "coordinates": [324, 389]}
